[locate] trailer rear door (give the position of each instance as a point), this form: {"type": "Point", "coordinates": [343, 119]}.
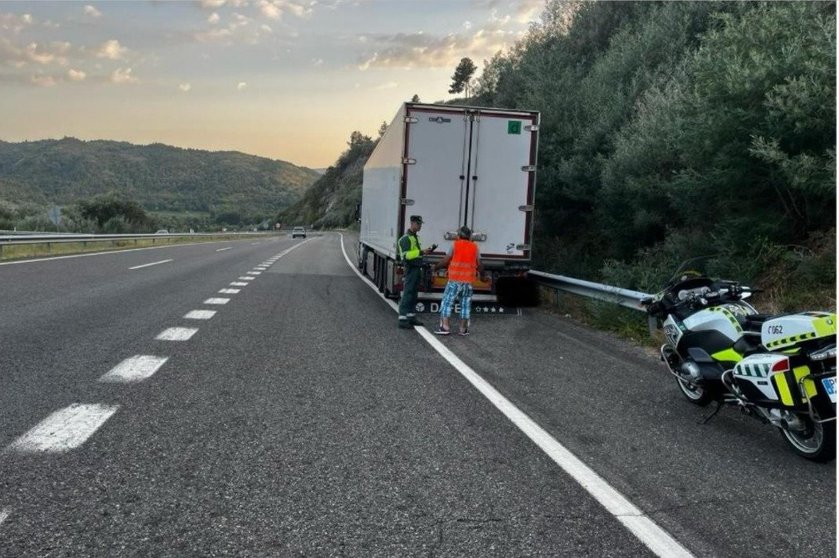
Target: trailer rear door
{"type": "Point", "coordinates": [435, 170]}
{"type": "Point", "coordinates": [500, 193]}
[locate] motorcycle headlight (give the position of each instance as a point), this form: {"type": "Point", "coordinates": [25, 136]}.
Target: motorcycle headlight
{"type": "Point", "coordinates": [823, 354]}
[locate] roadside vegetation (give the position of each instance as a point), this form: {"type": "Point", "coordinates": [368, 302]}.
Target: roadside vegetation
{"type": "Point", "coordinates": [669, 130]}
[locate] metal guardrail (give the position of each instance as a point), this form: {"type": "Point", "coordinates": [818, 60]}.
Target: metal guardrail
{"type": "Point", "coordinates": [35, 238]}
{"type": "Point", "coordinates": [607, 293]}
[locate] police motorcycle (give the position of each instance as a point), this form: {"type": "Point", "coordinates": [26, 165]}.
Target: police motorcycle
{"type": "Point", "coordinates": [779, 369]}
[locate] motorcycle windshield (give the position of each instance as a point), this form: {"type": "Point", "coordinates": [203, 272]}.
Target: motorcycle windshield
{"type": "Point", "coordinates": [690, 269]}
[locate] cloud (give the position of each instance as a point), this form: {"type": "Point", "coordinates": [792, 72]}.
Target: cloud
{"type": "Point", "coordinates": [43, 81]}
{"type": "Point", "coordinates": [76, 75]}
{"type": "Point", "coordinates": [384, 86]}
{"type": "Point", "coordinates": [420, 50]}
{"type": "Point", "coordinates": [212, 4]}
{"type": "Point", "coordinates": [213, 19]}
{"type": "Point", "coordinates": [274, 9]}
{"type": "Point", "coordinates": [91, 11]}
{"type": "Point", "coordinates": [41, 54]}
{"type": "Point", "coordinates": [241, 86]}
{"type": "Point", "coordinates": [111, 50]}
{"type": "Point", "coordinates": [123, 76]}
{"type": "Point", "coordinates": [15, 23]}
{"type": "Point", "coordinates": [185, 87]}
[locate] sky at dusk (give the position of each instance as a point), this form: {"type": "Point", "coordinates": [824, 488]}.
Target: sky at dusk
{"type": "Point", "coordinates": [284, 79]}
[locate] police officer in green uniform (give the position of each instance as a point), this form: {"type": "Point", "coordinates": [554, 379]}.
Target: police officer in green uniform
{"type": "Point", "coordinates": [410, 252]}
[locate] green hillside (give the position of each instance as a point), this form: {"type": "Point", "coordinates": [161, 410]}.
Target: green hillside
{"type": "Point", "coordinates": [159, 177]}
{"type": "Point", "coordinates": [331, 201]}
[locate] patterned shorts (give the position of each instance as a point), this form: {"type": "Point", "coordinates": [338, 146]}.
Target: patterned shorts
{"type": "Point", "coordinates": [455, 290]}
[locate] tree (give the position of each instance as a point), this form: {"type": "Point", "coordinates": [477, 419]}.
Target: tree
{"type": "Point", "coordinates": [463, 76]}
{"type": "Point", "coordinates": [415, 98]}
{"type": "Point", "coordinates": [382, 129]}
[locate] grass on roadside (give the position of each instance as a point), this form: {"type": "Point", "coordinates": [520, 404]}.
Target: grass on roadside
{"type": "Point", "coordinates": [9, 252]}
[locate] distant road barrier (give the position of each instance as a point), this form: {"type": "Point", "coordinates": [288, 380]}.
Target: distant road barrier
{"type": "Point", "coordinates": [598, 291]}
{"type": "Point", "coordinates": [42, 244]}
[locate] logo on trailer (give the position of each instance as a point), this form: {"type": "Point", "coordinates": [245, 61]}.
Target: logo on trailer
{"type": "Point", "coordinates": [439, 119]}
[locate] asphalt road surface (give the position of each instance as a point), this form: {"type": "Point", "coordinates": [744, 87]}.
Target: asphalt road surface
{"type": "Point", "coordinates": [288, 416]}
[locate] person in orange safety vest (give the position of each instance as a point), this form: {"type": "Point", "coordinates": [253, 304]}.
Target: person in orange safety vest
{"type": "Point", "coordinates": [464, 264]}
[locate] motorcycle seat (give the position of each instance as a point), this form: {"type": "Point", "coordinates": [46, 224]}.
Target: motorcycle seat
{"type": "Point", "coordinates": [752, 323]}
{"type": "Point", "coordinates": [748, 344]}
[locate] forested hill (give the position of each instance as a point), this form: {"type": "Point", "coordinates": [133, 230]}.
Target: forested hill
{"type": "Point", "coordinates": [669, 130]}
{"type": "Point", "coordinates": [677, 129]}
{"type": "Point", "coordinates": [159, 177]}
{"type": "Point", "coordinates": [332, 200]}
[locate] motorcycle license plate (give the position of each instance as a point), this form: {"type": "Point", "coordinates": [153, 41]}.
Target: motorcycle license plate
{"type": "Point", "coordinates": [830, 387]}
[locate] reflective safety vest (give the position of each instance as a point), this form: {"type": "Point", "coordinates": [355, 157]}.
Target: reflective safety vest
{"type": "Point", "coordinates": [409, 248]}
{"type": "Point", "coordinates": [463, 266]}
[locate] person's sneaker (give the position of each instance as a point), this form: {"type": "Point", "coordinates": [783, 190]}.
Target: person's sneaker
{"type": "Point", "coordinates": [441, 331]}
{"type": "Point", "coordinates": [415, 321]}
{"type": "Point", "coordinates": [405, 324]}
{"type": "Point", "coordinates": [464, 331]}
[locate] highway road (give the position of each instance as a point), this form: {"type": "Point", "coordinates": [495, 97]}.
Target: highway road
{"type": "Point", "coordinates": [255, 398]}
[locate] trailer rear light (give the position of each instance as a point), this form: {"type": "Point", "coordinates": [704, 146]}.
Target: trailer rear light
{"type": "Point", "coordinates": [479, 237]}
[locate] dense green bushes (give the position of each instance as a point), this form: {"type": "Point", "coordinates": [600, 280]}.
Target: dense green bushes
{"type": "Point", "coordinates": [671, 130]}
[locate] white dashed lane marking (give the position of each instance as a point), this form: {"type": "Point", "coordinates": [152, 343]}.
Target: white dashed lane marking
{"type": "Point", "coordinates": [229, 291]}
{"type": "Point", "coordinates": [223, 249]}
{"type": "Point", "coordinates": [247, 278]}
{"type": "Point", "coordinates": [217, 301]}
{"type": "Point", "coordinates": [200, 314]}
{"type": "Point", "coordinates": [254, 273]}
{"type": "Point", "coordinates": [4, 514]}
{"type": "Point", "coordinates": [238, 284]}
{"type": "Point", "coordinates": [65, 429]}
{"type": "Point", "coordinates": [134, 369]}
{"type": "Point", "coordinates": [176, 334]}
{"type": "Point", "coordinates": [151, 264]}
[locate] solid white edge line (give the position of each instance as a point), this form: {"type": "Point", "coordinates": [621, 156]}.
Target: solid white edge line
{"type": "Point", "coordinates": [151, 264]}
{"type": "Point", "coordinates": [636, 521]}
{"type": "Point", "coordinates": [4, 514]}
{"type": "Point", "coordinates": [65, 429]}
{"type": "Point", "coordinates": [134, 369]}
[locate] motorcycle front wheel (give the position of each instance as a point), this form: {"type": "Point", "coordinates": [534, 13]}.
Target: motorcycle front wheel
{"type": "Point", "coordinates": [816, 443]}
{"type": "Point", "coordinates": [695, 394]}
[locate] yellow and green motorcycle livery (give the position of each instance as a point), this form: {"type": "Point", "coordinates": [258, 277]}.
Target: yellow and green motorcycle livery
{"type": "Point", "coordinates": [780, 369]}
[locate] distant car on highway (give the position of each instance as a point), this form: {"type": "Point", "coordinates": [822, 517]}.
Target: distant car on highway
{"type": "Point", "coordinates": [162, 231]}
{"type": "Point", "coordinates": [298, 231]}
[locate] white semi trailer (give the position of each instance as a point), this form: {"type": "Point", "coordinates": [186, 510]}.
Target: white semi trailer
{"type": "Point", "coordinates": [454, 166]}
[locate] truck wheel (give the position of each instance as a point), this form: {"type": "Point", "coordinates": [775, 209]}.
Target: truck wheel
{"type": "Point", "coordinates": [816, 443]}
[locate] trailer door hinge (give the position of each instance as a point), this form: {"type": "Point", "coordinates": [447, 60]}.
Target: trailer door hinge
{"type": "Point", "coordinates": [408, 161]}
{"type": "Point", "coordinates": [522, 247]}
{"type": "Point", "coordinates": [532, 128]}
{"type": "Point", "coordinates": [411, 120]}
{"type": "Point", "coordinates": [529, 168]}
{"type": "Point", "coordinates": [406, 201]}
{"type": "Point", "coordinates": [525, 208]}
